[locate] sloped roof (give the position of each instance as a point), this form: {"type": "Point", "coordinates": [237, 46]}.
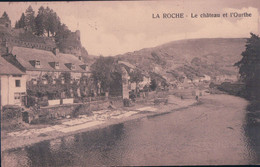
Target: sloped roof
{"type": "Point", "coordinates": [68, 58]}
{"type": "Point", "coordinates": [26, 55]}
{"type": "Point", "coordinates": [7, 68]}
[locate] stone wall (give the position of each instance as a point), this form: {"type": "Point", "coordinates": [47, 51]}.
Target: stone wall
{"type": "Point", "coordinates": [72, 44]}
{"type": "Point", "coordinates": [28, 44]}
{"type": "Point", "coordinates": [47, 114]}
{"type": "Point", "coordinates": [21, 38]}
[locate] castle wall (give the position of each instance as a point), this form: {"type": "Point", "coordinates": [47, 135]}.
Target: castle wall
{"type": "Point", "coordinates": [21, 38]}
{"type": "Point", "coordinates": [16, 42]}
{"type": "Point", "coordinates": [72, 45]}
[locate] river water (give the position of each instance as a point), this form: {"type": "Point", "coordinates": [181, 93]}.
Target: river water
{"type": "Point", "coordinates": [172, 139]}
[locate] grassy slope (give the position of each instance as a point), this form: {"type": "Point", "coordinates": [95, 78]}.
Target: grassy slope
{"type": "Point", "coordinates": [214, 57]}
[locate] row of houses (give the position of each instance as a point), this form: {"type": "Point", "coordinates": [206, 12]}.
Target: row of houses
{"type": "Point", "coordinates": [20, 65]}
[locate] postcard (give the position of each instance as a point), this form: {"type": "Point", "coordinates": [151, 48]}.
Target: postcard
{"type": "Point", "coordinates": [130, 83]}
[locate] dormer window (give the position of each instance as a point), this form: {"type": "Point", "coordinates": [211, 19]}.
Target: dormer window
{"type": "Point", "coordinates": [57, 65]}
{"type": "Point", "coordinates": [83, 66]}
{"type": "Point", "coordinates": [70, 66]}
{"type": "Point", "coordinates": [36, 63]}
{"type": "Point", "coordinates": [73, 67]}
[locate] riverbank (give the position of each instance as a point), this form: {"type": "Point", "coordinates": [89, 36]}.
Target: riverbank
{"type": "Point", "coordinates": [100, 119]}
{"type": "Point", "coordinates": [211, 133]}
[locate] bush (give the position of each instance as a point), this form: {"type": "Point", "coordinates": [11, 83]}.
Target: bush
{"type": "Point", "coordinates": [212, 85]}
{"type": "Point", "coordinates": [126, 102]}
{"type": "Point", "coordinates": [254, 106]}
{"type": "Point", "coordinates": [153, 85]}
{"type": "Point", "coordinates": [31, 101]}
{"type": "Point", "coordinates": [11, 112]}
{"type": "Point", "coordinates": [43, 103]}
{"type": "Point", "coordinates": [232, 89]}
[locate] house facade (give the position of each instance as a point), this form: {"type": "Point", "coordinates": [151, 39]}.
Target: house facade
{"type": "Point", "coordinates": [12, 84]}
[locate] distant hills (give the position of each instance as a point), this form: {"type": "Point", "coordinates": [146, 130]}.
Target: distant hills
{"type": "Point", "coordinates": [191, 58]}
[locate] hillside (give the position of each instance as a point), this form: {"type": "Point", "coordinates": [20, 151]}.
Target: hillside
{"type": "Point", "coordinates": [191, 58]}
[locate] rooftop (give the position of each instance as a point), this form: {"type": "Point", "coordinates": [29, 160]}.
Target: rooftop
{"type": "Point", "coordinates": [26, 55]}
{"type": "Point", "coordinates": [7, 68]}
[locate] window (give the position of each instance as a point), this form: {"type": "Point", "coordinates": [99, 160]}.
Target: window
{"type": "Point", "coordinates": [17, 83]}
{"type": "Point", "coordinates": [17, 98]}
{"type": "Point", "coordinates": [57, 65]}
{"type": "Point", "coordinates": [73, 67]}
{"type": "Point", "coordinates": [37, 64]}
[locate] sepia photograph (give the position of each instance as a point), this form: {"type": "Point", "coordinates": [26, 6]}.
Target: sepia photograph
{"type": "Point", "coordinates": [130, 83]}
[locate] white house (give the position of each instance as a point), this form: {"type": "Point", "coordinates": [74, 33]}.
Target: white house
{"type": "Point", "coordinates": [12, 84]}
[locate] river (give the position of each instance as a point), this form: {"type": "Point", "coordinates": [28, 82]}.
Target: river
{"type": "Point", "coordinates": [213, 133]}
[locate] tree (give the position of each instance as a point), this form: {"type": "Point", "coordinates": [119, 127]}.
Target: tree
{"type": "Point", "coordinates": [21, 22]}
{"type": "Point", "coordinates": [61, 35]}
{"type": "Point", "coordinates": [102, 71]}
{"type": "Point", "coordinates": [16, 24]}
{"type": "Point", "coordinates": [115, 88]}
{"type": "Point", "coordinates": [249, 67]}
{"type": "Point", "coordinates": [29, 19]}
{"type": "Point", "coordinates": [39, 21]}
{"type": "Point", "coordinates": [136, 76]}
{"type": "Point", "coordinates": [5, 16]}
{"type": "Point", "coordinates": [153, 84]}
{"type": "Point", "coordinates": [52, 22]}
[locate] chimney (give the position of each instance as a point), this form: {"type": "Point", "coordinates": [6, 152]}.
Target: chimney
{"type": "Point", "coordinates": [56, 51]}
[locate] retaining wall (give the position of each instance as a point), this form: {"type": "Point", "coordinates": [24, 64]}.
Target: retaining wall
{"type": "Point", "coordinates": [49, 113]}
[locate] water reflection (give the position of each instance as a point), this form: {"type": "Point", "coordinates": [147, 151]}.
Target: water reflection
{"type": "Point", "coordinates": [14, 158]}
{"type": "Point", "coordinates": [158, 140]}
{"type": "Point", "coordinates": [252, 132]}
{"type": "Point", "coordinates": [75, 150]}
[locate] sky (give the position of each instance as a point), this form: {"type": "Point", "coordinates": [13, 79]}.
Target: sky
{"type": "Point", "coordinates": [117, 27]}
